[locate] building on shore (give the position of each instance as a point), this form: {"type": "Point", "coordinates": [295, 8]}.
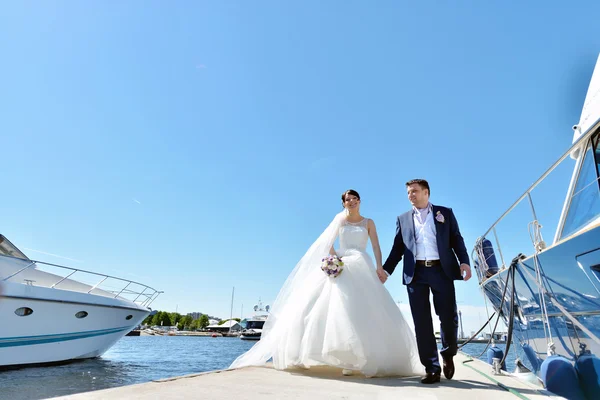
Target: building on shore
{"type": "Point", "coordinates": [233, 324]}
{"type": "Point", "coordinates": [195, 315]}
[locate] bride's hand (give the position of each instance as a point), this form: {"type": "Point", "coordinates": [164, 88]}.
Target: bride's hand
{"type": "Point", "coordinates": [381, 275]}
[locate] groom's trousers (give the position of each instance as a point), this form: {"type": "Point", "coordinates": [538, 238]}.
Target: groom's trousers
{"type": "Point", "coordinates": [433, 279]}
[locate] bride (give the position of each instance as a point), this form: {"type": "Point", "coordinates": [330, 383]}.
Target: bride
{"type": "Point", "coordinates": [350, 321]}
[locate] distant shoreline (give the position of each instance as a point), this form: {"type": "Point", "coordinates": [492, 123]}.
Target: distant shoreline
{"type": "Point", "coordinates": [461, 341]}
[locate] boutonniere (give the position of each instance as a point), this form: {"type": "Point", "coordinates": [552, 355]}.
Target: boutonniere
{"type": "Point", "coordinates": [439, 217]}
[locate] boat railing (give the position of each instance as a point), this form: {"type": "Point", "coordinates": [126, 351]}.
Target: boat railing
{"type": "Point", "coordinates": [79, 280]}
{"type": "Point", "coordinates": [524, 221]}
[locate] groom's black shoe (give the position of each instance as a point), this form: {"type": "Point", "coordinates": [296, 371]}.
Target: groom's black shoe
{"type": "Point", "coordinates": [431, 378]}
{"type": "Point", "coordinates": [448, 367]}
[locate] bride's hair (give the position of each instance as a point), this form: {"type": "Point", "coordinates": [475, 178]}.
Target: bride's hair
{"type": "Point", "coordinates": [349, 191]}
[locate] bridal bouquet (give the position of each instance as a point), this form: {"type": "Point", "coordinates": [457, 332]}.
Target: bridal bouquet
{"type": "Point", "coordinates": [332, 265]}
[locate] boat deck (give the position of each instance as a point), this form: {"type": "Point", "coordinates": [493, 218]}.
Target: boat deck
{"type": "Point", "coordinates": [472, 380]}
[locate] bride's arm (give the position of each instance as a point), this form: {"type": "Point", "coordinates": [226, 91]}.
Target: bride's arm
{"type": "Point", "coordinates": [332, 251]}
{"type": "Point", "coordinates": [375, 243]}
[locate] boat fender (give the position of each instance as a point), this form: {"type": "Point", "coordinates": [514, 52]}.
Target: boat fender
{"type": "Point", "coordinates": [490, 257]}
{"type": "Point", "coordinates": [560, 377]}
{"type": "Point", "coordinates": [495, 352]}
{"type": "Point", "coordinates": [533, 359]}
{"type": "Point", "coordinates": [588, 371]}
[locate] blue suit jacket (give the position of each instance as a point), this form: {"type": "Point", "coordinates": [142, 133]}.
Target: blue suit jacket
{"type": "Point", "coordinates": [450, 244]}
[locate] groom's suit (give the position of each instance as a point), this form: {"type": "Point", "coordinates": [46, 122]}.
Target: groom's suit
{"type": "Point", "coordinates": [439, 278]}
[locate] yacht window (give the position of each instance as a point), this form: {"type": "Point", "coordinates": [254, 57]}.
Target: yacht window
{"type": "Point", "coordinates": [23, 311]}
{"type": "Point", "coordinates": [81, 314]}
{"type": "Point", "coordinates": [596, 270]}
{"type": "Point", "coordinates": [254, 324]}
{"type": "Point", "coordinates": [129, 317]}
{"type": "Point", "coordinates": [9, 249]}
{"type": "Point", "coordinates": [597, 153]}
{"type": "Point", "coordinates": [585, 203]}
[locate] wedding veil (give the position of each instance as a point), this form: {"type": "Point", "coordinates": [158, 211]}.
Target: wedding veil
{"type": "Point", "coordinates": [292, 297]}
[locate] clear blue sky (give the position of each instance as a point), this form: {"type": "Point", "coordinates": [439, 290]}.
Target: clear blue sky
{"type": "Point", "coordinates": [197, 146]}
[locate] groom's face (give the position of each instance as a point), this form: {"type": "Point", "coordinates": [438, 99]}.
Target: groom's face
{"type": "Point", "coordinates": [417, 196]}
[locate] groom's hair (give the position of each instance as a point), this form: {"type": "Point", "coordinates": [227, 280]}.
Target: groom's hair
{"type": "Point", "coordinates": [421, 182]}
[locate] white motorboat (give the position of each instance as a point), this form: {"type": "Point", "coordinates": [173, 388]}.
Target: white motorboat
{"type": "Point", "coordinates": [52, 313]}
{"type": "Point", "coordinates": [252, 327]}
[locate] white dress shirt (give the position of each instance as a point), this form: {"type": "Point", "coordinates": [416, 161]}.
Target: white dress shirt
{"type": "Point", "coordinates": [425, 234]}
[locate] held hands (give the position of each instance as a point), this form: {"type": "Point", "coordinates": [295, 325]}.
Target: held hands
{"type": "Point", "coordinates": [465, 272]}
{"type": "Point", "coordinates": [382, 275]}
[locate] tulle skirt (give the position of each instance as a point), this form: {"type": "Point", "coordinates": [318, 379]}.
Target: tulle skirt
{"type": "Point", "coordinates": [349, 322]}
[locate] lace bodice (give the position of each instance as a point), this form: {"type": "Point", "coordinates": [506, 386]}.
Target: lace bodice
{"type": "Point", "coordinates": [354, 235]}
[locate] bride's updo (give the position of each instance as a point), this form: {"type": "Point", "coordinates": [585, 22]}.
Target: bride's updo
{"type": "Point", "coordinates": [347, 192]}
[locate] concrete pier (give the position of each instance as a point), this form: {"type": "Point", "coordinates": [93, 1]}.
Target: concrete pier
{"type": "Point", "coordinates": [472, 380]}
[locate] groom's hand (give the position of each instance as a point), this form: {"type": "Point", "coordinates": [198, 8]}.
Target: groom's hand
{"type": "Point", "coordinates": [382, 275]}
{"type": "Point", "coordinates": [465, 272]}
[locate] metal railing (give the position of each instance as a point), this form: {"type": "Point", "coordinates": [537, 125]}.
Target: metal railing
{"type": "Point", "coordinates": [138, 293]}
{"type": "Point", "coordinates": [534, 224]}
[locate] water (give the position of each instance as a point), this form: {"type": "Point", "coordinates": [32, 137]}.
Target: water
{"type": "Point", "coordinates": [131, 360]}
{"type": "Point", "coordinates": [136, 360]}
{"type": "Point", "coordinates": [475, 349]}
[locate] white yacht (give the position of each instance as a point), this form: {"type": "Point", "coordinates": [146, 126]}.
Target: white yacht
{"type": "Point", "coordinates": [52, 313]}
{"type": "Point", "coordinates": [547, 291]}
{"type": "Point", "coordinates": [252, 327]}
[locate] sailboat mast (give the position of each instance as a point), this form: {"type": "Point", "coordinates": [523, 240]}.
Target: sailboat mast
{"type": "Point", "coordinates": [231, 312]}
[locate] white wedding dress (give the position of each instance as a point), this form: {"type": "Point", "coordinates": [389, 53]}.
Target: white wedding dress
{"type": "Point", "coordinates": [349, 322]}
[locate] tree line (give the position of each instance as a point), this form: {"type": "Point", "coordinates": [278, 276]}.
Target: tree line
{"type": "Point", "coordinates": [183, 322]}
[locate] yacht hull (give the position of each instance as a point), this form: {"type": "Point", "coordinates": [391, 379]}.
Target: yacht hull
{"type": "Point", "coordinates": [570, 274]}
{"type": "Point", "coordinates": [52, 332]}
{"type": "Point", "coordinates": [250, 336]}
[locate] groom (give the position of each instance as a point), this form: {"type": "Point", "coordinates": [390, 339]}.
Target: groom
{"type": "Point", "coordinates": [428, 238]}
